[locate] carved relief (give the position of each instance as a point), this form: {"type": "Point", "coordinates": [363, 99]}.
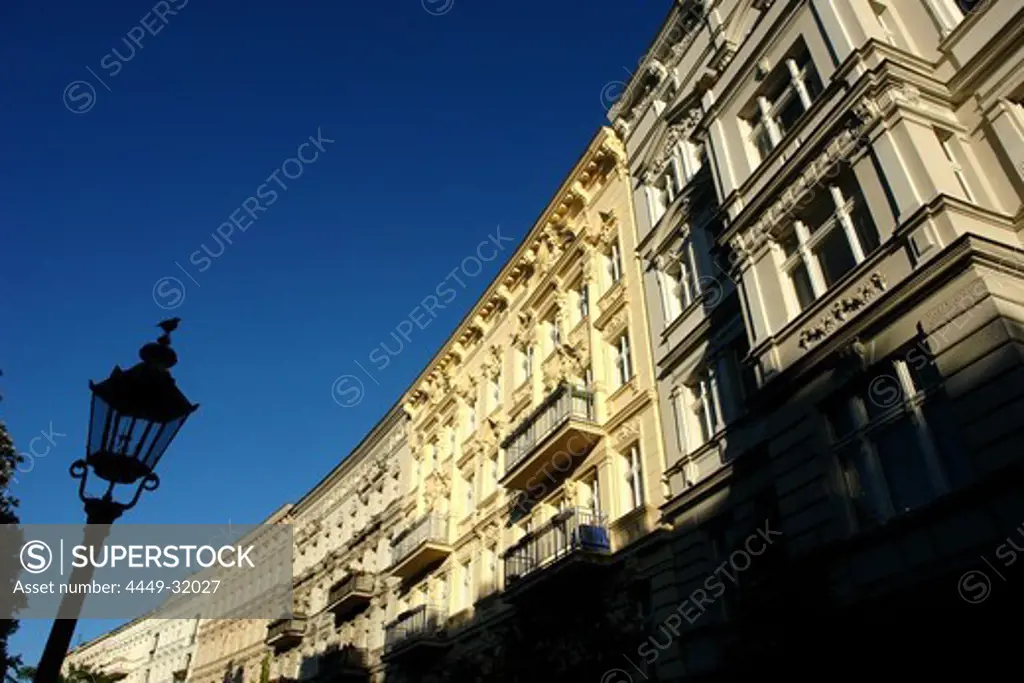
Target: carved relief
{"type": "Point", "coordinates": [625, 435]}
{"type": "Point", "coordinates": [524, 331]}
{"type": "Point", "coordinates": [841, 310]}
{"type": "Point", "coordinates": [436, 490]}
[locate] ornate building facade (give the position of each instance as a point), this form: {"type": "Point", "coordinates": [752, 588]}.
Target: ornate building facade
{"type": "Point", "coordinates": [342, 590]}
{"type": "Point", "coordinates": [745, 400]}
{"type": "Point", "coordinates": [829, 207]}
{"type": "Point", "coordinates": [146, 650]}
{"type": "Point", "coordinates": [536, 435]}
{"type": "Point", "coordinates": [230, 650]}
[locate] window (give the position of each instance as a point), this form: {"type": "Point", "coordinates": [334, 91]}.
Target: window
{"type": "Point", "coordinates": [432, 447]}
{"type": "Point", "coordinates": [495, 391]}
{"type": "Point", "coordinates": [786, 94]}
{"type": "Point", "coordinates": [492, 568]}
{"type": "Point", "coordinates": [634, 478]}
{"type": "Point", "coordinates": [889, 457]}
{"type": "Point", "coordinates": [527, 359]}
{"type": "Point", "coordinates": [472, 418]}
{"type": "Point", "coordinates": [492, 464]}
{"type": "Point", "coordinates": [884, 18]}
{"type": "Point", "coordinates": [467, 584]}
{"type": "Point", "coordinates": [706, 404]}
{"type": "Point", "coordinates": [665, 188]}
{"type": "Point", "coordinates": [588, 377]}
{"type": "Point", "coordinates": [615, 263]}
{"type": "Point", "coordinates": [950, 147]}
{"type": "Point", "coordinates": [584, 302]}
{"type": "Point", "coordinates": [623, 360]}
{"type": "Point", "coordinates": [556, 333]}
{"type": "Point", "coordinates": [470, 481]}
{"type": "Point", "coordinates": [678, 282]}
{"type": "Point", "coordinates": [829, 236]}
{"type": "Point", "coordinates": [679, 420]}
{"type": "Point", "coordinates": [453, 437]}
{"type": "Point", "coordinates": [595, 494]}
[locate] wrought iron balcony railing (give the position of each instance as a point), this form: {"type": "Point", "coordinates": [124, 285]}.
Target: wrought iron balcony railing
{"type": "Point", "coordinates": [350, 593]}
{"type": "Point", "coordinates": [563, 404]}
{"type": "Point", "coordinates": [570, 531]}
{"type": "Point", "coordinates": [286, 632]}
{"type": "Point", "coordinates": [423, 623]}
{"type": "Point", "coordinates": [431, 529]}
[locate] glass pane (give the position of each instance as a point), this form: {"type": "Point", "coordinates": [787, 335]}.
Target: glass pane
{"type": "Point", "coordinates": [956, 465]}
{"type": "Point", "coordinates": [867, 234]}
{"type": "Point", "coordinates": [812, 82]}
{"type": "Point", "coordinates": [97, 422]}
{"type": "Point", "coordinates": [841, 418]}
{"type": "Point", "coordinates": [834, 255]}
{"type": "Point", "coordinates": [762, 142]}
{"type": "Point", "coordinates": [789, 242]}
{"type": "Point", "coordinates": [903, 463]}
{"type": "Point", "coordinates": [788, 111]}
{"type": "Point", "coordinates": [817, 209]}
{"type": "Point", "coordinates": [863, 488]}
{"type": "Point", "coordinates": [802, 285]}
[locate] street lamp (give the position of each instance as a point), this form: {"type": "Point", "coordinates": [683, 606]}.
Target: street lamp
{"type": "Point", "coordinates": [135, 414]}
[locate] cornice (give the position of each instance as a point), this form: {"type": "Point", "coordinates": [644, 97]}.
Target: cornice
{"type": "Point", "coordinates": [540, 251]}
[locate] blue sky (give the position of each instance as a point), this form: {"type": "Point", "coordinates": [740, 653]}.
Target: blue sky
{"type": "Point", "coordinates": [446, 119]}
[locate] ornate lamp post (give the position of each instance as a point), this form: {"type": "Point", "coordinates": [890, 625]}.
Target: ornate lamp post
{"type": "Point", "coordinates": [135, 415]}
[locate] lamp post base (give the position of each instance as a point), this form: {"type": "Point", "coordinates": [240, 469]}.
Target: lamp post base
{"type": "Point", "coordinates": [100, 514]}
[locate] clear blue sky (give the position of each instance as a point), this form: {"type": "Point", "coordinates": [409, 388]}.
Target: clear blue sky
{"type": "Point", "coordinates": [445, 127]}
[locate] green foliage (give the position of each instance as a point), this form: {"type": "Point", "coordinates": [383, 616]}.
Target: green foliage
{"type": "Point", "coordinates": [9, 460]}
{"type": "Point", "coordinates": [265, 669]}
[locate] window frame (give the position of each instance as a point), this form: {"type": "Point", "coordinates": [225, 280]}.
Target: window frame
{"type": "Point", "coordinates": [805, 249]}
{"type": "Point", "coordinates": [861, 439]}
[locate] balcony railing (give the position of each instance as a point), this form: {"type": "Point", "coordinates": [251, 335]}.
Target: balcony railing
{"type": "Point", "coordinates": [576, 530]}
{"type": "Point", "coordinates": [424, 543]}
{"type": "Point", "coordinates": [424, 624]}
{"type": "Point", "coordinates": [286, 632]}
{"type": "Point", "coordinates": [566, 414]}
{"type": "Point", "coordinates": [350, 593]}
{"type": "Point", "coordinates": [342, 664]}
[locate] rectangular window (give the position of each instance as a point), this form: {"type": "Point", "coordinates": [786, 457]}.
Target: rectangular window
{"type": "Point", "coordinates": [495, 391]}
{"type": "Point", "coordinates": [470, 503]}
{"type": "Point", "coordinates": [634, 478]}
{"type": "Point", "coordinates": [678, 282]}
{"type": "Point", "coordinates": [623, 360]}
{"type": "Point", "coordinates": [785, 95]}
{"type": "Point", "coordinates": [950, 149]}
{"type": "Point", "coordinates": [679, 418]}
{"type": "Point", "coordinates": [706, 404]}
{"type": "Point", "coordinates": [890, 460]}
{"type": "Point", "coordinates": [829, 236]}
{"type": "Point", "coordinates": [595, 494]}
{"type": "Point", "coordinates": [472, 418]}
{"type": "Point", "coordinates": [615, 263]}
{"type": "Point", "coordinates": [584, 302]}
{"type": "Point", "coordinates": [467, 584]}
{"type": "Point", "coordinates": [556, 333]}
{"type": "Point", "coordinates": [528, 362]}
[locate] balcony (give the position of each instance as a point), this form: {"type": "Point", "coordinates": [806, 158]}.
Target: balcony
{"type": "Point", "coordinates": [348, 663]}
{"type": "Point", "coordinates": [419, 631]}
{"type": "Point", "coordinates": [350, 595]}
{"type": "Point", "coordinates": [564, 423]}
{"type": "Point", "coordinates": [424, 544]}
{"type": "Point", "coordinates": [285, 633]}
{"type": "Point", "coordinates": [574, 538]}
